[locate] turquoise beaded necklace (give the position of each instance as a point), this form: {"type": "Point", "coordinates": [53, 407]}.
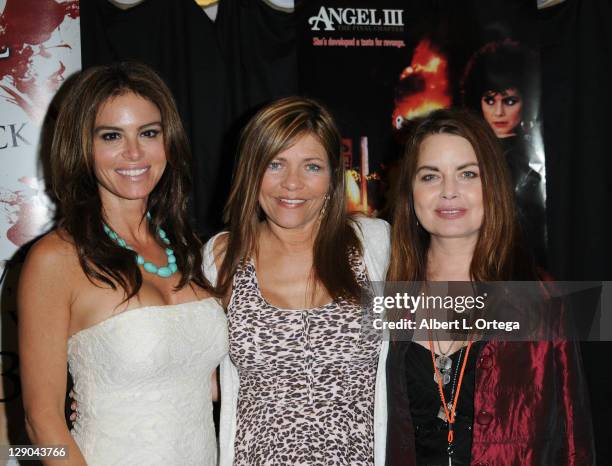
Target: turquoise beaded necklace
{"type": "Point", "coordinates": [165, 271]}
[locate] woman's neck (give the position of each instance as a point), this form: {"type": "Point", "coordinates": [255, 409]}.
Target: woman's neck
{"type": "Point", "coordinates": [449, 259]}
{"type": "Point", "coordinates": [292, 242]}
{"type": "Point", "coordinates": [127, 219]}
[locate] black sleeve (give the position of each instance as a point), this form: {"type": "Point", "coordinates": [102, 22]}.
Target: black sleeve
{"type": "Point", "coordinates": [400, 431]}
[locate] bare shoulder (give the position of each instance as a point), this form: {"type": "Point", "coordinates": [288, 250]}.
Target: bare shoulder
{"type": "Point", "coordinates": [54, 248]}
{"type": "Point", "coordinates": [46, 284]}
{"type": "Point", "coordinates": [54, 255]}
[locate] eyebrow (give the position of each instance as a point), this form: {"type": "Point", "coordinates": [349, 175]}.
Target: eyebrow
{"type": "Point", "coordinates": [436, 169]}
{"type": "Point", "coordinates": [309, 159]}
{"type": "Point", "coordinates": [503, 93]}
{"type": "Point", "coordinates": [97, 129]}
{"type": "Point", "coordinates": [469, 164]}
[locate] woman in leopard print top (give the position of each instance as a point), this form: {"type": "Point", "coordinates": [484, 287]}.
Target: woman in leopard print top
{"type": "Point", "coordinates": [303, 384]}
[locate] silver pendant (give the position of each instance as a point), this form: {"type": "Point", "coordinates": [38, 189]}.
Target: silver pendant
{"type": "Point", "coordinates": [442, 412]}
{"type": "Point", "coordinates": [443, 363]}
{"type": "Point", "coordinates": [445, 378]}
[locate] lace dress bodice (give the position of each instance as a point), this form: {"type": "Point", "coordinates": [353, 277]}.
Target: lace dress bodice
{"type": "Point", "coordinates": [142, 383]}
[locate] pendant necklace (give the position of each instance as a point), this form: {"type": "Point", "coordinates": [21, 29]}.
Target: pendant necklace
{"type": "Point", "coordinates": [444, 364]}
{"type": "Point", "coordinates": [450, 407]}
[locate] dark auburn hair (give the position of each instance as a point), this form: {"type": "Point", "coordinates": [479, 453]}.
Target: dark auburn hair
{"type": "Point", "coordinates": [497, 67]}
{"type": "Point", "coordinates": [74, 185]}
{"type": "Point", "coordinates": [272, 130]}
{"type": "Point", "coordinates": [499, 252]}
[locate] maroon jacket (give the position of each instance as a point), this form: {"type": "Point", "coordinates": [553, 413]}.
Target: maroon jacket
{"type": "Point", "coordinates": [530, 407]}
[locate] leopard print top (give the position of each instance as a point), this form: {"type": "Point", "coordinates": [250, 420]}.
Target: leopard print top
{"type": "Point", "coordinates": [307, 378]}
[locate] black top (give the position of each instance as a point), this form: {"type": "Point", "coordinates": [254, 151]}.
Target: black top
{"type": "Point", "coordinates": [431, 432]}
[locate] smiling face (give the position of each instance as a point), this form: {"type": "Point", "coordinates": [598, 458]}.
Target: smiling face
{"type": "Point", "coordinates": [128, 148]}
{"type": "Point", "coordinates": [502, 110]}
{"type": "Point", "coordinates": [447, 189]}
{"type": "Point", "coordinates": [295, 183]}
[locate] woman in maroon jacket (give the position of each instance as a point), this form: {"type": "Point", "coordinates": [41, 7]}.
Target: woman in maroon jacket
{"type": "Point", "coordinates": [509, 403]}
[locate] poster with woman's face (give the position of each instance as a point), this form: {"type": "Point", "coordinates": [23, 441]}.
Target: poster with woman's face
{"type": "Point", "coordinates": [379, 65]}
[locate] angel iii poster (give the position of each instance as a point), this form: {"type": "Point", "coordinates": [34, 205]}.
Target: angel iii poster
{"type": "Point", "coordinates": [379, 65]}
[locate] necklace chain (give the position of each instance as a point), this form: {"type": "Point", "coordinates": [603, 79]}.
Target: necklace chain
{"type": "Point", "coordinates": [450, 411]}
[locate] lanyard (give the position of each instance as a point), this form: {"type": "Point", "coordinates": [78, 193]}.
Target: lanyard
{"type": "Point", "coordinates": [449, 416]}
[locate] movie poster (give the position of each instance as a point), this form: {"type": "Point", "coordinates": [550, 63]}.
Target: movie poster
{"type": "Point", "coordinates": [39, 49]}
{"type": "Point", "coordinates": [380, 64]}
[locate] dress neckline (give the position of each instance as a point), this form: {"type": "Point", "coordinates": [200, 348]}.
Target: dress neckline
{"type": "Point", "coordinates": [161, 307]}
{"type": "Point", "coordinates": [251, 264]}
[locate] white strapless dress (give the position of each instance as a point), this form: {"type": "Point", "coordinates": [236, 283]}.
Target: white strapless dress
{"type": "Point", "coordinates": [142, 383]}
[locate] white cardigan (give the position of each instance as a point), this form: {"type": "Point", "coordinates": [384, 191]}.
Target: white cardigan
{"type": "Point", "coordinates": [374, 235]}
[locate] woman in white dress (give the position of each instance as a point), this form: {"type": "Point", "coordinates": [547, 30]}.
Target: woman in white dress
{"type": "Point", "coordinates": [116, 291]}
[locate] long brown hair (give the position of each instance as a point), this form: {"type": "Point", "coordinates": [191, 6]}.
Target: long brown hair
{"type": "Point", "coordinates": [75, 187]}
{"type": "Point", "coordinates": [272, 130]}
{"type": "Point", "coordinates": [499, 253]}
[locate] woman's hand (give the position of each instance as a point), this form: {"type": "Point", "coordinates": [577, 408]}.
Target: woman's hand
{"type": "Point", "coordinates": [73, 406]}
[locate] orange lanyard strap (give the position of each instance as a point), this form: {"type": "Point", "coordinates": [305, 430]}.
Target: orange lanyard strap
{"type": "Point", "coordinates": [449, 416]}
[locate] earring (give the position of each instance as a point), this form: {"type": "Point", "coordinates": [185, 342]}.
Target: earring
{"type": "Point", "coordinates": [324, 208]}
